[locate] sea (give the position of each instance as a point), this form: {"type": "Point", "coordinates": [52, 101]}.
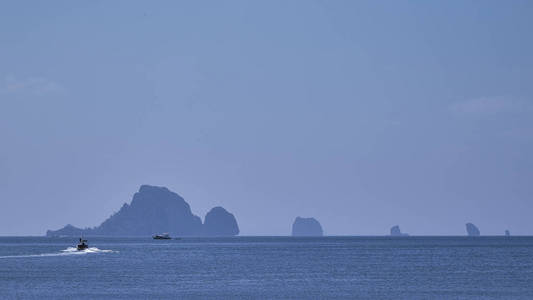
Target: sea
{"type": "Point", "coordinates": [268, 268]}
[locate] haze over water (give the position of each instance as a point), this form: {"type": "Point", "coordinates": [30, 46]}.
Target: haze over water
{"type": "Point", "coordinates": [361, 114]}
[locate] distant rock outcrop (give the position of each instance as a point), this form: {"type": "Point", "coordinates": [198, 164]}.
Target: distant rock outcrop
{"type": "Point", "coordinates": [152, 210]}
{"type": "Point", "coordinates": [395, 231]}
{"type": "Point", "coordinates": [219, 222]}
{"type": "Point", "coordinates": [472, 230]}
{"type": "Point", "coordinates": [68, 230]}
{"type": "Point", "coordinates": [306, 227]}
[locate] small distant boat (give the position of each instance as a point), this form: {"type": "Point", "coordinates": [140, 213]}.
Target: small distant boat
{"type": "Point", "coordinates": [163, 236]}
{"type": "Point", "coordinates": [82, 245]}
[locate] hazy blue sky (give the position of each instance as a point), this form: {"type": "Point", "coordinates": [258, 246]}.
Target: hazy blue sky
{"type": "Point", "coordinates": [362, 114]}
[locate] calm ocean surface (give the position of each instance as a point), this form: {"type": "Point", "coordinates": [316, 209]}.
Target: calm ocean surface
{"type": "Point", "coordinates": [269, 267]}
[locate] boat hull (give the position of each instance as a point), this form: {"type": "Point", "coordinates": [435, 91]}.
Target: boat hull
{"type": "Point", "coordinates": [82, 247]}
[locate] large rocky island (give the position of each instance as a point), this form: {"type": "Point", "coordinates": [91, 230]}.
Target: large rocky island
{"type": "Point", "coordinates": [306, 227]}
{"type": "Point", "coordinates": [154, 210]}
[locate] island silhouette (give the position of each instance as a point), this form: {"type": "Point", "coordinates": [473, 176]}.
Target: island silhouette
{"type": "Point", "coordinates": [472, 230]}
{"type": "Point", "coordinates": [156, 209]}
{"type": "Point", "coordinates": [306, 227]}
{"type": "Point", "coordinates": [395, 231]}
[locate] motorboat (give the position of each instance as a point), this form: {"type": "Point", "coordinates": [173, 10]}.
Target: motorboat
{"type": "Point", "coordinates": [82, 245]}
{"type": "Point", "coordinates": [163, 236]}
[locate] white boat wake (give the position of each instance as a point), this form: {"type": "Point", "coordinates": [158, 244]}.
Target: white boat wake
{"type": "Point", "coordinates": [74, 250]}
{"type": "Point", "coordinates": [65, 252]}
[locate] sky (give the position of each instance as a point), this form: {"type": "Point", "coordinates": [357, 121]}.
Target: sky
{"type": "Point", "coordinates": [362, 114]}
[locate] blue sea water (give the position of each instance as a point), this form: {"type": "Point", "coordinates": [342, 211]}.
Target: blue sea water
{"type": "Point", "coordinates": [268, 267]}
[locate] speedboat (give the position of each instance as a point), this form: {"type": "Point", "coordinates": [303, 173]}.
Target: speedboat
{"type": "Point", "coordinates": [82, 245]}
{"type": "Point", "coordinates": [163, 236]}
